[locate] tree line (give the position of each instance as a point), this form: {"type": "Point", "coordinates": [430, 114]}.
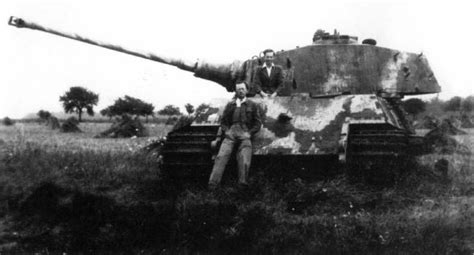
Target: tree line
{"type": "Point", "coordinates": [457, 104]}
{"type": "Point", "coordinates": [80, 101]}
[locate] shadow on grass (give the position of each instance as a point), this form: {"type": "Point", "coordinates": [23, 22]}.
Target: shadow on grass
{"type": "Point", "coordinates": [68, 220]}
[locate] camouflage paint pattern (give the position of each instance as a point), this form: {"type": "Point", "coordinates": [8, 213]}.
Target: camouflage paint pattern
{"type": "Point", "coordinates": [301, 125]}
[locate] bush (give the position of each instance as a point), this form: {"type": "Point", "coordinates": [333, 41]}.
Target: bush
{"type": "Point", "coordinates": [440, 138]}
{"type": "Point", "coordinates": [171, 120]}
{"type": "Point", "coordinates": [414, 106]}
{"type": "Point", "coordinates": [70, 125]}
{"type": "Point", "coordinates": [453, 104]}
{"type": "Point", "coordinates": [125, 127]}
{"type": "Point", "coordinates": [8, 122]}
{"type": "Point", "coordinates": [170, 110]}
{"type": "Point", "coordinates": [43, 115]}
{"type": "Point", "coordinates": [128, 105]}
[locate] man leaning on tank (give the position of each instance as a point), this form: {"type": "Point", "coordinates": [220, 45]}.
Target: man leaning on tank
{"type": "Point", "coordinates": [269, 77]}
{"type": "Point", "coordinates": [240, 122]}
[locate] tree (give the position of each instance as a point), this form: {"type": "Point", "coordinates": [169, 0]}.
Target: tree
{"type": "Point", "coordinates": [453, 104]}
{"type": "Point", "coordinates": [77, 99]}
{"type": "Point", "coordinates": [189, 108]}
{"type": "Point", "coordinates": [467, 105]}
{"type": "Point", "coordinates": [414, 106]}
{"type": "Point", "coordinates": [107, 112]}
{"type": "Point", "coordinates": [435, 107]}
{"type": "Point", "coordinates": [170, 110]}
{"type": "Point", "coordinates": [128, 105]}
{"type": "Point", "coordinates": [43, 115]}
{"type": "Point", "coordinates": [8, 122]}
{"type": "Point", "coordinates": [319, 34]}
{"type": "Point", "coordinates": [146, 110]}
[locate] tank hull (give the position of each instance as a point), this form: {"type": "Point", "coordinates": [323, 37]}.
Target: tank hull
{"type": "Point", "coordinates": [313, 137]}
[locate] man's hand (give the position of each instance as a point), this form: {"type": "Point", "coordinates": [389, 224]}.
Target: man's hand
{"type": "Point", "coordinates": [273, 95]}
{"type": "Point", "coordinates": [263, 94]}
{"type": "Point", "coordinates": [246, 135]}
{"type": "Point", "coordinates": [215, 142]}
{"type": "Point", "coordinates": [227, 133]}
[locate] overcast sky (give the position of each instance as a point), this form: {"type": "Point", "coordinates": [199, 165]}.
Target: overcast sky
{"type": "Point", "coordinates": [36, 68]}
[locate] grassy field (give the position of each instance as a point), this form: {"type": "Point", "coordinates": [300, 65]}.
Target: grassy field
{"type": "Point", "coordinates": [75, 193]}
{"type": "Point", "coordinates": [42, 136]}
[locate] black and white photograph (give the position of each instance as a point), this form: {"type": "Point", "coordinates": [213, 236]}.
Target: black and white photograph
{"type": "Point", "coordinates": [236, 127]}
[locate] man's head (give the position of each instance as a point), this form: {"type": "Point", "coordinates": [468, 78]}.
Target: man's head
{"type": "Point", "coordinates": [240, 90]}
{"type": "Point", "coordinates": [268, 56]}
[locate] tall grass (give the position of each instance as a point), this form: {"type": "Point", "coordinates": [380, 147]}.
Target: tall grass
{"type": "Point", "coordinates": [25, 164]}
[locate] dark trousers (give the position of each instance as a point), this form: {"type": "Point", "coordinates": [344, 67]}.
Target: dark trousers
{"type": "Point", "coordinates": [235, 136]}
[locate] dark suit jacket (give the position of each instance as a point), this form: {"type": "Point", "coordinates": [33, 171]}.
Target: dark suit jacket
{"type": "Point", "coordinates": [271, 84]}
{"type": "Point", "coordinates": [249, 114]}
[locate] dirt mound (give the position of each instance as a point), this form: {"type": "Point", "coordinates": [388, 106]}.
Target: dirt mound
{"type": "Point", "coordinates": [53, 123]}
{"type": "Point", "coordinates": [466, 121]}
{"type": "Point", "coordinates": [70, 126]}
{"type": "Point", "coordinates": [446, 128]}
{"type": "Point", "coordinates": [126, 126]}
{"type": "Point", "coordinates": [430, 122]}
{"type": "Point", "coordinates": [440, 138]}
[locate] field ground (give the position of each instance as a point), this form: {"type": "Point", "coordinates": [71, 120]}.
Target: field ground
{"type": "Point", "coordinates": [75, 193]}
{"type": "Point", "coordinates": [42, 136]}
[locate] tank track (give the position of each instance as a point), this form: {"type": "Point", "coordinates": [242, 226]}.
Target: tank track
{"type": "Point", "coordinates": [187, 152]}
{"type": "Point", "coordinates": [377, 153]}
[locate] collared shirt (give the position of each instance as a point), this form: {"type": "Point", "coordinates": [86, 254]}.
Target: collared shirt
{"type": "Point", "coordinates": [239, 101]}
{"type": "Point", "coordinates": [236, 116]}
{"type": "Point", "coordinates": [269, 69]}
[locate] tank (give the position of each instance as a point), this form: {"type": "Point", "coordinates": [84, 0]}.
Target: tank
{"type": "Point", "coordinates": [339, 108]}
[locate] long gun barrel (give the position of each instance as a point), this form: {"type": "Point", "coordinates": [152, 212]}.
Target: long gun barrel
{"type": "Point", "coordinates": [224, 74]}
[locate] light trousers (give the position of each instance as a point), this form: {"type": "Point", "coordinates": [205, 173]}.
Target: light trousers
{"type": "Point", "coordinates": [235, 136]}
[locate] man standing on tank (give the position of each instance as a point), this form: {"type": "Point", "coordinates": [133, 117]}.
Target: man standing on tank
{"type": "Point", "coordinates": [240, 122]}
{"type": "Point", "coordinates": [269, 77]}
